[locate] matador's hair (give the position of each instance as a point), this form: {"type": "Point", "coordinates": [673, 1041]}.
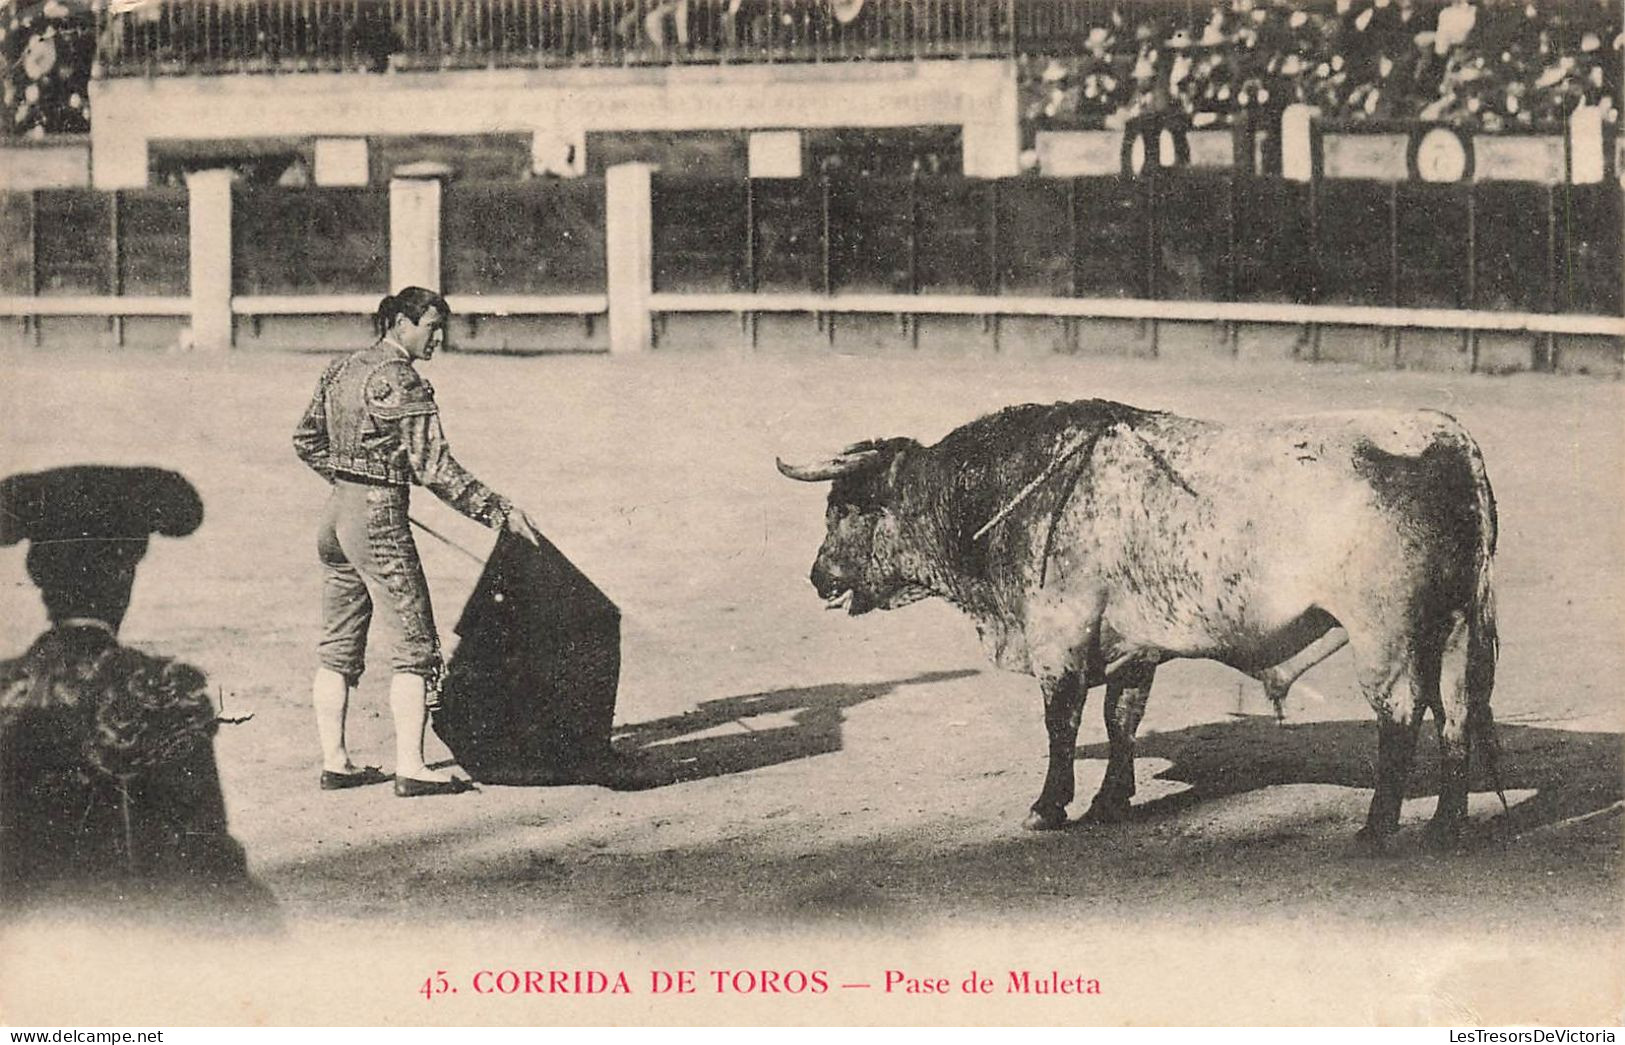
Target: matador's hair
{"type": "Point", "coordinates": [412, 303]}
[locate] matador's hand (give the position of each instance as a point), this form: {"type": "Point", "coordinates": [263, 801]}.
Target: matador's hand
{"type": "Point", "coordinates": [520, 525]}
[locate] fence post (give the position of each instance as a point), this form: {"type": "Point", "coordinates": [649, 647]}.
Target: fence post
{"type": "Point", "coordinates": [1583, 145]}
{"type": "Point", "coordinates": [209, 237]}
{"type": "Point", "coordinates": [414, 233]}
{"type": "Point", "coordinates": [991, 138]}
{"type": "Point", "coordinates": [629, 255]}
{"type": "Point", "coordinates": [1298, 142]}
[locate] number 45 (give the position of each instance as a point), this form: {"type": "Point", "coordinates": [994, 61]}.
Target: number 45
{"type": "Point", "coordinates": [436, 984]}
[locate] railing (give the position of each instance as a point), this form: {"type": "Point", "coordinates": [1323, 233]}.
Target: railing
{"type": "Point", "coordinates": [220, 36]}
{"type": "Point", "coordinates": [236, 36]}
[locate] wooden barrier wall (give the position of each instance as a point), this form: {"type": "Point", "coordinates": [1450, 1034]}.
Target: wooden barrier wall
{"type": "Point", "coordinates": [525, 262]}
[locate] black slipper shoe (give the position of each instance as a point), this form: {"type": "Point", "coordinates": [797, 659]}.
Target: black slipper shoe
{"type": "Point", "coordinates": [410, 787]}
{"type": "Point", "coordinates": [360, 778]}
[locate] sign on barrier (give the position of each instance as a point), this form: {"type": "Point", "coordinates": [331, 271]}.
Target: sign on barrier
{"type": "Point", "coordinates": [1536, 158]}
{"type": "Point", "coordinates": [1076, 154]}
{"type": "Point", "coordinates": [1440, 154]}
{"type": "Point", "coordinates": [1373, 156]}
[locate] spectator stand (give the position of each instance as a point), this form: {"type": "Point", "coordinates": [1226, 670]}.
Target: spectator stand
{"type": "Point", "coordinates": [1492, 67]}
{"type": "Point", "coordinates": [1185, 214]}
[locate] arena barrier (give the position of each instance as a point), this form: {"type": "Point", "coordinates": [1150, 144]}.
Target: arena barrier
{"type": "Point", "coordinates": [607, 264]}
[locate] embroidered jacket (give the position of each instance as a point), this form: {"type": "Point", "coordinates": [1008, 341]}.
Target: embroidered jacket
{"type": "Point", "coordinates": [107, 768]}
{"type": "Point", "coordinates": [373, 419]}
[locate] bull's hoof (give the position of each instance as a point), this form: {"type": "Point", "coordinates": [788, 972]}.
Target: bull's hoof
{"type": "Point", "coordinates": [1044, 820]}
{"type": "Point", "coordinates": [1369, 842]}
{"type": "Point", "coordinates": [1107, 811]}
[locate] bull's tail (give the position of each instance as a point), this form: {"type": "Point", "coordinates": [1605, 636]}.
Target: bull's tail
{"type": "Point", "coordinates": [1483, 639]}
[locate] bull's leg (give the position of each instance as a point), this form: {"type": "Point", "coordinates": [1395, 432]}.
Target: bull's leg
{"type": "Point", "coordinates": [1391, 687]}
{"type": "Point", "coordinates": [1063, 710]}
{"type": "Point", "coordinates": [1127, 690]}
{"type": "Point", "coordinates": [1450, 715]}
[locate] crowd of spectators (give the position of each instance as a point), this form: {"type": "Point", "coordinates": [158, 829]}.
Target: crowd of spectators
{"type": "Point", "coordinates": [1490, 66]}
{"type": "Point", "coordinates": [47, 50]}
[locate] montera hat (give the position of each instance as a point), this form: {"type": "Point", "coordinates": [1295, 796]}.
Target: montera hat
{"type": "Point", "coordinates": [97, 502]}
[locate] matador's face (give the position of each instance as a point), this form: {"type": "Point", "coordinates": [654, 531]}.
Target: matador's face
{"type": "Point", "coordinates": [423, 338]}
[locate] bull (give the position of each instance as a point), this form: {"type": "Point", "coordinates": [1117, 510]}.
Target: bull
{"type": "Point", "coordinates": [1091, 542]}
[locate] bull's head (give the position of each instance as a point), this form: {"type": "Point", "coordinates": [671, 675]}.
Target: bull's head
{"type": "Point", "coordinates": [865, 560]}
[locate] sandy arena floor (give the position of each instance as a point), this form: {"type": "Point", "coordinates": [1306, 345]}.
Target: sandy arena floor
{"type": "Point", "coordinates": [839, 794]}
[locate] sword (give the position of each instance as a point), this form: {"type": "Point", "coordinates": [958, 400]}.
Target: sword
{"type": "Point", "coordinates": [443, 539]}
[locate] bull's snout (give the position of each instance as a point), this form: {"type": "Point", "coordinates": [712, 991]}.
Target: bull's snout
{"type": "Point", "coordinates": [835, 587]}
{"type": "Point", "coordinates": [824, 580]}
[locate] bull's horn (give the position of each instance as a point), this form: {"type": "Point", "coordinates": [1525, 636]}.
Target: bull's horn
{"type": "Point", "coordinates": [845, 464]}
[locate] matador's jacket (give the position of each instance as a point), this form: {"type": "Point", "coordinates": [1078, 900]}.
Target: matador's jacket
{"type": "Point", "coordinates": [108, 783]}
{"type": "Point", "coordinates": [373, 419]}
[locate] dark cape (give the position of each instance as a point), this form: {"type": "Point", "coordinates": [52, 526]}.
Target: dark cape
{"type": "Point", "coordinates": [529, 694]}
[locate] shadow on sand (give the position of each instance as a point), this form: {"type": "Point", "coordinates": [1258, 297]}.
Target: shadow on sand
{"type": "Point", "coordinates": [1571, 773]}
{"type": "Point", "coordinates": [906, 872]}
{"type": "Point", "coordinates": [739, 734]}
